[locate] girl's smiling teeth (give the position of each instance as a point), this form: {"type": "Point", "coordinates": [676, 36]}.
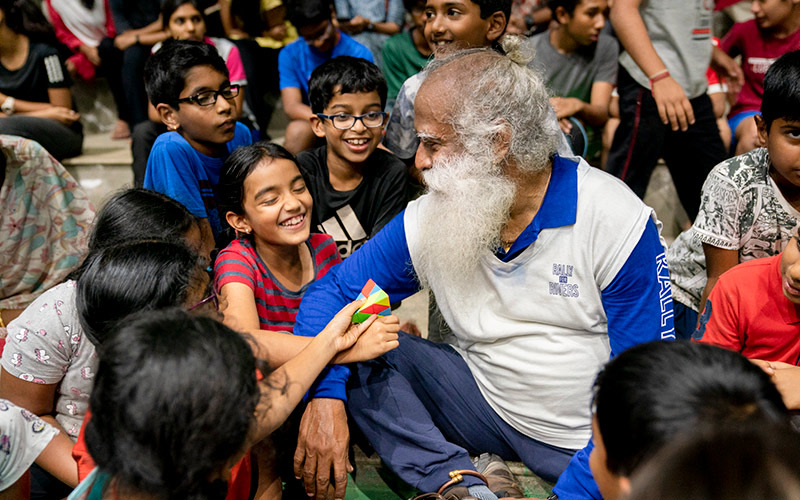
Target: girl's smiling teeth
{"type": "Point", "coordinates": [295, 221]}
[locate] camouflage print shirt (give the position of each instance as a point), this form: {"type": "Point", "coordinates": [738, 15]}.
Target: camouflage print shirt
{"type": "Point", "coordinates": [741, 209]}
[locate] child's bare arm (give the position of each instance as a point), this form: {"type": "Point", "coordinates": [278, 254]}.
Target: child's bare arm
{"type": "Point", "coordinates": [283, 388]}
{"type": "Point", "coordinates": [293, 105]}
{"type": "Point", "coordinates": [674, 107]}
{"type": "Point", "coordinates": [594, 113]}
{"type": "Point", "coordinates": [718, 261]}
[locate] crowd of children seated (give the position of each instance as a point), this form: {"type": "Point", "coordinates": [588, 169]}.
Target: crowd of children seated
{"type": "Point", "coordinates": [148, 349]}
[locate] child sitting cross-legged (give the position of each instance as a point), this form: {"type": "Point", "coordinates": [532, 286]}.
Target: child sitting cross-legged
{"type": "Point", "coordinates": [749, 207]}
{"type": "Point", "coordinates": [357, 188]}
{"type": "Point", "coordinates": [655, 393]}
{"type": "Point", "coordinates": [188, 84]}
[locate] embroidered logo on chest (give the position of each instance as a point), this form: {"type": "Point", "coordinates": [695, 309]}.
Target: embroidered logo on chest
{"type": "Point", "coordinates": [562, 287]}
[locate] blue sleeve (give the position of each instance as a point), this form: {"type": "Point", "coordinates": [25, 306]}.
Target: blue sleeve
{"type": "Point", "coordinates": [170, 171]}
{"type": "Point", "coordinates": [384, 259]}
{"type": "Point", "coordinates": [289, 66]}
{"type": "Point", "coordinates": [577, 482]}
{"type": "Point", "coordinates": [638, 302]}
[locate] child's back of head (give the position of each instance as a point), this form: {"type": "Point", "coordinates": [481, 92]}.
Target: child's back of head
{"type": "Point", "coordinates": [651, 393]}
{"type": "Point", "coordinates": [730, 462]}
{"type": "Point", "coordinates": [166, 70]}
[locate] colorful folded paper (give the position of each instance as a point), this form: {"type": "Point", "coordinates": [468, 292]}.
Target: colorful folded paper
{"type": "Point", "coordinates": [377, 303]}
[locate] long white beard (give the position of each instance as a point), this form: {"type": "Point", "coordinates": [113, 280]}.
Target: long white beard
{"type": "Point", "coordinates": [468, 204]}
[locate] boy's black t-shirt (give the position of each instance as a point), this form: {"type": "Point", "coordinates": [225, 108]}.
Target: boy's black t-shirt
{"type": "Point", "coordinates": [352, 217]}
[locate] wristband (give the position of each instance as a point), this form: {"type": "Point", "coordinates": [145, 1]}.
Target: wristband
{"type": "Point", "coordinates": [659, 76]}
{"type": "Point", "coordinates": [371, 27]}
{"type": "Point", "coordinates": [8, 107]}
{"type": "Point", "coordinates": [137, 39]}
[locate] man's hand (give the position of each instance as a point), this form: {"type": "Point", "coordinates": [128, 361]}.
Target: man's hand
{"type": "Point", "coordinates": [59, 114]}
{"type": "Point", "coordinates": [322, 446]}
{"type": "Point", "coordinates": [355, 25]}
{"type": "Point", "coordinates": [277, 32]}
{"type": "Point", "coordinates": [674, 107]}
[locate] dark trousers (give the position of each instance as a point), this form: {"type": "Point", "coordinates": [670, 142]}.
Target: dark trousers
{"type": "Point", "coordinates": [641, 139]}
{"type": "Point", "coordinates": [111, 68]}
{"type": "Point", "coordinates": [142, 139]}
{"type": "Point", "coordinates": [58, 139]}
{"type": "Point", "coordinates": [422, 411]}
{"type": "Point", "coordinates": [133, 59]}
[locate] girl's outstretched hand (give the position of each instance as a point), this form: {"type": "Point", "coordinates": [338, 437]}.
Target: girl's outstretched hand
{"type": "Point", "coordinates": [379, 338]}
{"type": "Point", "coordinates": [341, 331]}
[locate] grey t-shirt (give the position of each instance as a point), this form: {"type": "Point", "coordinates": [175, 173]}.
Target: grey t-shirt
{"type": "Point", "coordinates": [572, 75]}
{"type": "Point", "coordinates": [46, 345]}
{"type": "Point", "coordinates": [680, 31]}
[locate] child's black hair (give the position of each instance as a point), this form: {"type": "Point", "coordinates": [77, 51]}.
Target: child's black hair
{"type": "Point", "coordinates": [489, 7]}
{"type": "Point", "coordinates": [170, 6]}
{"type": "Point", "coordinates": [410, 5]}
{"type": "Point", "coordinates": [166, 70]}
{"type": "Point", "coordinates": [728, 462]}
{"type": "Point", "coordinates": [651, 392]}
{"type": "Point", "coordinates": [567, 5]}
{"type": "Point", "coordinates": [134, 278]}
{"type": "Point", "coordinates": [173, 401]}
{"type": "Point", "coordinates": [302, 13]}
{"type": "Point", "coordinates": [782, 90]}
{"type": "Point", "coordinates": [138, 214]}
{"type": "Point", "coordinates": [25, 17]}
{"type": "Point", "coordinates": [350, 75]}
{"type": "Point", "coordinates": [239, 165]}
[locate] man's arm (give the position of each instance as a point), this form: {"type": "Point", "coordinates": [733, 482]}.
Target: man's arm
{"type": "Point", "coordinates": [594, 113]}
{"type": "Point", "coordinates": [638, 302]}
{"type": "Point", "coordinates": [674, 107]}
{"type": "Point", "coordinates": [292, 99]}
{"type": "Point", "coordinates": [322, 444]}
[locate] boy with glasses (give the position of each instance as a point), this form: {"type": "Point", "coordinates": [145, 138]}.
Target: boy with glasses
{"type": "Point", "coordinates": [320, 41]}
{"type": "Point", "coordinates": [356, 187]}
{"type": "Point", "coordinates": [188, 84]}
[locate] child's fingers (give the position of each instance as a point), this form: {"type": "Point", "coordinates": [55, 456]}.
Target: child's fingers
{"type": "Point", "coordinates": [364, 326]}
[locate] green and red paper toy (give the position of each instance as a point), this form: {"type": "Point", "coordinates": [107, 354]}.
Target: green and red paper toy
{"type": "Point", "coordinates": [377, 303]}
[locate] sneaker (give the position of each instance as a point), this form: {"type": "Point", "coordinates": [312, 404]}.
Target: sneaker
{"type": "Point", "coordinates": [500, 478]}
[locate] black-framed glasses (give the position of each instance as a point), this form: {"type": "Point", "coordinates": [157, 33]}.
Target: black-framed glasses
{"type": "Point", "coordinates": [209, 97]}
{"type": "Point", "coordinates": [212, 297]}
{"type": "Point", "coordinates": [343, 121]}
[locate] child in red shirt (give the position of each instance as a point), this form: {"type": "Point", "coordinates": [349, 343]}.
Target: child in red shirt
{"type": "Point", "coordinates": [760, 41]}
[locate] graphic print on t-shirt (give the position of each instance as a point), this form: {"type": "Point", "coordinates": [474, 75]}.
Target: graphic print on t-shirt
{"type": "Point", "coordinates": [346, 230]}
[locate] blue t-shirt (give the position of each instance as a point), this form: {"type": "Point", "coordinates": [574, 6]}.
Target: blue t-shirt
{"type": "Point", "coordinates": [179, 171]}
{"type": "Point", "coordinates": [297, 60]}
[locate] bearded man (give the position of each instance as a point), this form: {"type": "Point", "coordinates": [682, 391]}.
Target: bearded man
{"type": "Point", "coordinates": [542, 266]}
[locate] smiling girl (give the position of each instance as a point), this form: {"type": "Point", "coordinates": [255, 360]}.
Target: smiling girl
{"type": "Point", "coordinates": [263, 274]}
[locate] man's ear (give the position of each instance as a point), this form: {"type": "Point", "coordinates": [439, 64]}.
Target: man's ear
{"type": "Point", "coordinates": [561, 15]}
{"type": "Point", "coordinates": [168, 115]}
{"type": "Point", "coordinates": [761, 127]}
{"type": "Point", "coordinates": [317, 126]}
{"type": "Point", "coordinates": [497, 26]}
{"type": "Point", "coordinates": [502, 142]}
{"type": "Point", "coordinates": [238, 222]}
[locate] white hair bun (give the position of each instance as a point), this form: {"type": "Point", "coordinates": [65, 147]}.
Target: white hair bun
{"type": "Point", "coordinates": [518, 48]}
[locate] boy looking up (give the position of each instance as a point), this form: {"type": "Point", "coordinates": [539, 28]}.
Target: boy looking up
{"type": "Point", "coordinates": [750, 205]}
{"type": "Point", "coordinates": [188, 84]}
{"type": "Point", "coordinates": [579, 63]}
{"type": "Point", "coordinates": [760, 41]}
{"type": "Point", "coordinates": [356, 187]}
{"type": "Point", "coordinates": [319, 41]}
